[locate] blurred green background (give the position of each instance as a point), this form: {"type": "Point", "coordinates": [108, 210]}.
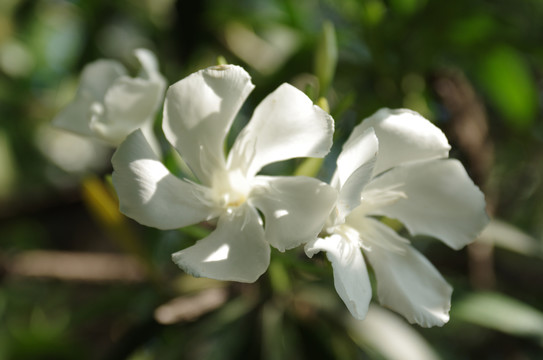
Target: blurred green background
{"type": "Point", "coordinates": [79, 281]}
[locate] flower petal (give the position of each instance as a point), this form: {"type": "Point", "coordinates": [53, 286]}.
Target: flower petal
{"type": "Point", "coordinates": [404, 135]}
{"type": "Point", "coordinates": [357, 151]}
{"type": "Point", "coordinates": [149, 65]}
{"type": "Point", "coordinates": [441, 201]}
{"type": "Point", "coordinates": [285, 125]}
{"type": "Point", "coordinates": [75, 117]}
{"type": "Point", "coordinates": [96, 78]}
{"type": "Point", "coordinates": [408, 283]}
{"type": "Point", "coordinates": [150, 194]}
{"type": "Point", "coordinates": [199, 111]}
{"type": "Point", "coordinates": [295, 208]}
{"type": "Point", "coordinates": [132, 103]}
{"type": "Point", "coordinates": [235, 251]}
{"type": "Point", "coordinates": [351, 278]}
{"type": "Point", "coordinates": [354, 170]}
{"type": "Point", "coordinates": [128, 104]}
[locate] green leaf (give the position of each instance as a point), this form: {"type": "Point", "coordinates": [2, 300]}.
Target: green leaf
{"type": "Point", "coordinates": [507, 80]}
{"type": "Point", "coordinates": [374, 12]}
{"type": "Point", "coordinates": [326, 57]}
{"type": "Point", "coordinates": [279, 277]}
{"type": "Point", "coordinates": [509, 237]}
{"type": "Point", "coordinates": [472, 29]}
{"type": "Point", "coordinates": [7, 164]}
{"type": "Point", "coordinates": [309, 167]}
{"type": "Point", "coordinates": [500, 312]}
{"type": "Point", "coordinates": [272, 334]}
{"type": "Point", "coordinates": [381, 328]}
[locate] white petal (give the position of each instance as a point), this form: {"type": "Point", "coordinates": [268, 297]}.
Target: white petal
{"type": "Point", "coordinates": [351, 278]}
{"type": "Point", "coordinates": [148, 131]}
{"type": "Point", "coordinates": [75, 117]}
{"type": "Point", "coordinates": [199, 111]}
{"type": "Point", "coordinates": [128, 104]}
{"type": "Point", "coordinates": [96, 78]}
{"type": "Point", "coordinates": [409, 284]}
{"type": "Point", "coordinates": [441, 201]}
{"type": "Point", "coordinates": [404, 135]}
{"type": "Point", "coordinates": [285, 125]}
{"type": "Point", "coordinates": [357, 151]}
{"type": "Point", "coordinates": [150, 194]}
{"type": "Point", "coordinates": [295, 208]}
{"type": "Point", "coordinates": [354, 170]}
{"type": "Point", "coordinates": [235, 251]}
{"type": "Point", "coordinates": [373, 233]}
{"type": "Point", "coordinates": [149, 65]}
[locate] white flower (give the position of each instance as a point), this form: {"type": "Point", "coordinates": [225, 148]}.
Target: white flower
{"type": "Point", "coordinates": [109, 104]}
{"type": "Point", "coordinates": [395, 164]}
{"type": "Point", "coordinates": [198, 113]}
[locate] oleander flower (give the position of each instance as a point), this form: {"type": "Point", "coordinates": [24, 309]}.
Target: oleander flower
{"type": "Point", "coordinates": [395, 164]}
{"type": "Point", "coordinates": [109, 104]}
{"type": "Point", "coordinates": [198, 113]}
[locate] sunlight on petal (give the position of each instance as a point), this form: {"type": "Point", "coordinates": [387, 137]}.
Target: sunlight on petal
{"type": "Point", "coordinates": [140, 167]}
{"type": "Point", "coordinates": [219, 254]}
{"type": "Point", "coordinates": [280, 213]}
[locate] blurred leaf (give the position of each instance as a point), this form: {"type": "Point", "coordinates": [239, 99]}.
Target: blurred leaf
{"type": "Point", "coordinates": [309, 167]}
{"type": "Point", "coordinates": [175, 163]}
{"type": "Point", "coordinates": [510, 86]}
{"type": "Point", "coordinates": [323, 104]}
{"type": "Point", "coordinates": [142, 354]}
{"type": "Point", "coordinates": [103, 205]}
{"type": "Point", "coordinates": [16, 59]}
{"type": "Point", "coordinates": [272, 334]}
{"type": "Point", "coordinates": [279, 278]}
{"type": "Point", "coordinates": [224, 331]}
{"type": "Point", "coordinates": [44, 337]}
{"type": "Point", "coordinates": [344, 104]}
{"type": "Point", "coordinates": [500, 312]}
{"type": "Point", "coordinates": [8, 6]}
{"type": "Point", "coordinates": [472, 29]}
{"type": "Point", "coordinates": [267, 51]}
{"type": "Point", "coordinates": [221, 60]}
{"type": "Point", "coordinates": [320, 298]}
{"type": "Point", "coordinates": [374, 11]}
{"type": "Point", "coordinates": [51, 326]}
{"type": "Point", "coordinates": [195, 231]}
{"type": "Point", "coordinates": [232, 311]}
{"type": "Point", "coordinates": [56, 37]}
{"type": "Point", "coordinates": [185, 284]}
{"type": "Point", "coordinates": [187, 308]}
{"type": "Point", "coordinates": [507, 236]}
{"type": "Point", "coordinates": [326, 57]}
{"type": "Point", "coordinates": [381, 328]}
{"type": "Point", "coordinates": [7, 164]}
{"type": "Point", "coordinates": [3, 303]}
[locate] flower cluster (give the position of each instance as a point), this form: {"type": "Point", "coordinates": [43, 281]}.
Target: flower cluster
{"type": "Point", "coordinates": [394, 164]}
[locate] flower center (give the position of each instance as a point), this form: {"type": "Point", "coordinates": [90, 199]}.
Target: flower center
{"type": "Point", "coordinates": [230, 189]}
{"type": "Point", "coordinates": [347, 233]}
{"type": "Point", "coordinates": [349, 240]}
